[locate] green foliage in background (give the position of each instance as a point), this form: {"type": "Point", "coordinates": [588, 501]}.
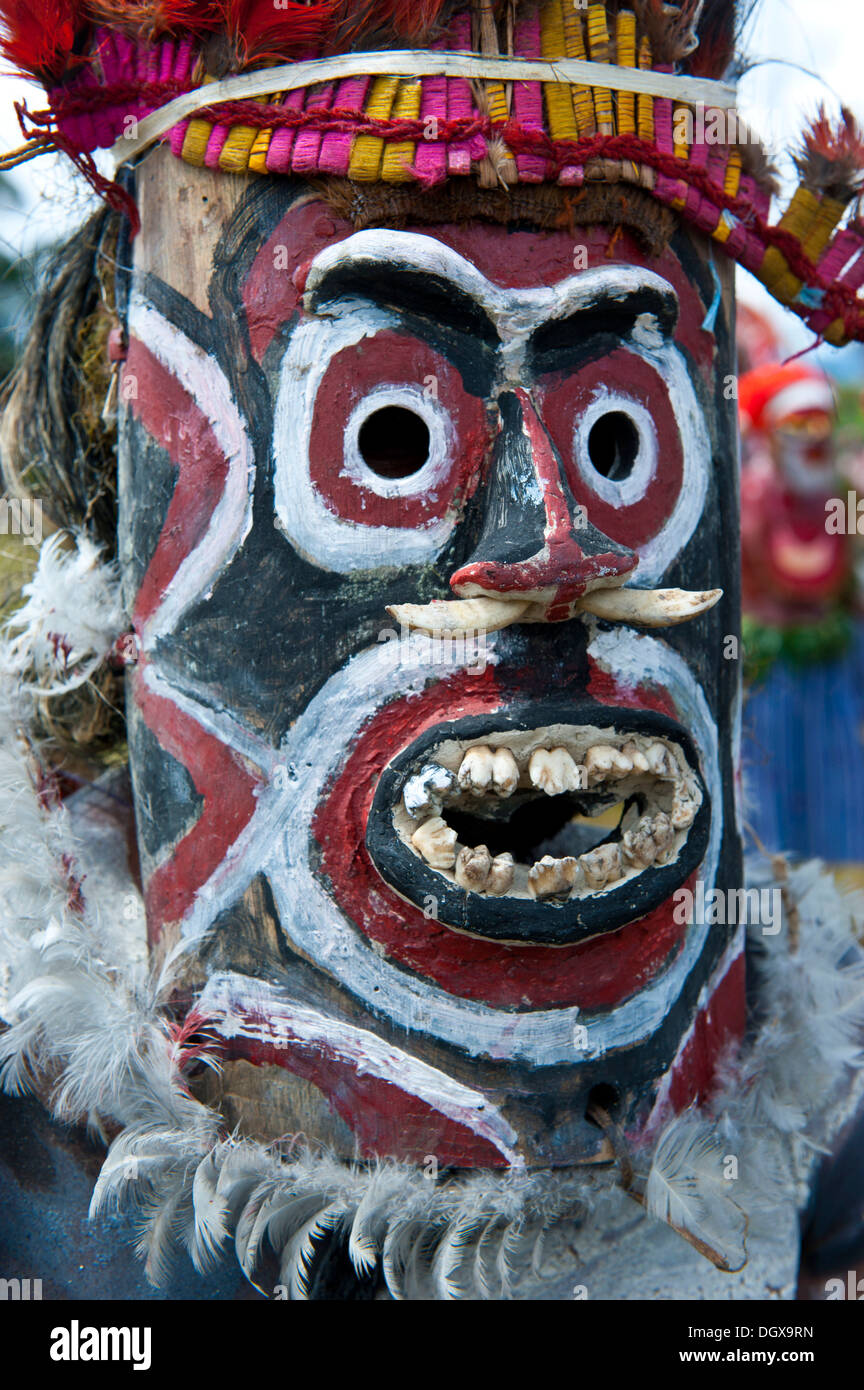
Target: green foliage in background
{"type": "Point", "coordinates": [807, 645]}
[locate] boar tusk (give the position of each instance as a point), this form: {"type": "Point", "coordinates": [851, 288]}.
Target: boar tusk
{"type": "Point", "coordinates": [649, 607]}
{"type": "Point", "coordinates": [458, 617]}
{"type": "Point", "coordinates": [467, 617]}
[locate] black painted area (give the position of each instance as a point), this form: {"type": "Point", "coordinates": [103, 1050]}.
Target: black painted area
{"type": "Point", "coordinates": [166, 802]}
{"type": "Point", "coordinates": [434, 309]}
{"type": "Point", "coordinates": [148, 476]}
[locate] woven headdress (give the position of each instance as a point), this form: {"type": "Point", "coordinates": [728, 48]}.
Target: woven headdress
{"type": "Point", "coordinates": [500, 92]}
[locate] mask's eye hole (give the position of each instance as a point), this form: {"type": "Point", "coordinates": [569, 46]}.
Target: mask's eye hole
{"type": "Point", "coordinates": [394, 442]}
{"type": "Point", "coordinates": [613, 445]}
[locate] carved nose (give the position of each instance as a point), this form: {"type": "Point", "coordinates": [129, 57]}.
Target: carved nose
{"type": "Point", "coordinates": [537, 543]}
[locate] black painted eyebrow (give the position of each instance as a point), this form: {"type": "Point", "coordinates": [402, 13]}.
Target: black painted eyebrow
{"type": "Point", "coordinates": [615, 313]}
{"type": "Point", "coordinates": [420, 293]}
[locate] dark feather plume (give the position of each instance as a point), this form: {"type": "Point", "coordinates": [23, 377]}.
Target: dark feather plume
{"type": "Point", "coordinates": [831, 157]}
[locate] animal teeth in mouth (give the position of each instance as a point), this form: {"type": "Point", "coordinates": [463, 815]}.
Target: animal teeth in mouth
{"type": "Point", "coordinates": [505, 772]}
{"type": "Point", "coordinates": [637, 758]}
{"type": "Point", "coordinates": [436, 842]}
{"type": "Point", "coordinates": [500, 879]}
{"type": "Point", "coordinates": [478, 872]}
{"type": "Point", "coordinates": [424, 793]}
{"type": "Point", "coordinates": [604, 761]}
{"type": "Point", "coordinates": [553, 878]}
{"type": "Point", "coordinates": [473, 867]}
{"type": "Point", "coordinates": [647, 780]}
{"type": "Point", "coordinates": [649, 841]}
{"type": "Point", "coordinates": [554, 771]}
{"type": "Point", "coordinates": [602, 865]}
{"type": "Point", "coordinates": [475, 773]}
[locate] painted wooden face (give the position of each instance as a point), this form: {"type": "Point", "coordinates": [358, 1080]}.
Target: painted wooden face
{"type": "Point", "coordinates": [445, 885]}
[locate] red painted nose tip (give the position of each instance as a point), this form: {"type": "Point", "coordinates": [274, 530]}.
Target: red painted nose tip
{"type": "Point", "coordinates": [560, 572]}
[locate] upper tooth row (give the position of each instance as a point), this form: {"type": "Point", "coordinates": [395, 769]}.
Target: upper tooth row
{"type": "Point", "coordinates": [552, 770]}
{"type": "Point", "coordinates": [555, 770]}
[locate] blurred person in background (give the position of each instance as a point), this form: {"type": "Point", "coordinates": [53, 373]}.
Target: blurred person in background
{"type": "Point", "coordinates": [804, 647]}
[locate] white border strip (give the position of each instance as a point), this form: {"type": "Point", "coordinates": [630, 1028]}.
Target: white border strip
{"type": "Point", "coordinates": [260, 1011]}
{"type": "Point", "coordinates": [288, 77]}
{"type": "Point", "coordinates": [199, 375]}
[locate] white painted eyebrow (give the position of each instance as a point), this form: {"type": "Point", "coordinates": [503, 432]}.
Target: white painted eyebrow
{"type": "Point", "coordinates": [516, 313]}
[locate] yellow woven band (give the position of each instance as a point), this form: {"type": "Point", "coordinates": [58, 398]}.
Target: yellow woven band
{"type": "Point", "coordinates": [289, 77]}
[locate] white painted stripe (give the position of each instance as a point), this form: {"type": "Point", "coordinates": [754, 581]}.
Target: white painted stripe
{"type": "Point", "coordinates": [200, 375]}
{"type": "Point", "coordinates": [249, 1008]}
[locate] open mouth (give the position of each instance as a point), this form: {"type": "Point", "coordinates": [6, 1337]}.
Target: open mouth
{"type": "Point", "coordinates": [544, 824]}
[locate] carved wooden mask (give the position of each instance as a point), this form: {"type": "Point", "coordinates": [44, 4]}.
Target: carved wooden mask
{"type": "Point", "coordinates": [437, 885]}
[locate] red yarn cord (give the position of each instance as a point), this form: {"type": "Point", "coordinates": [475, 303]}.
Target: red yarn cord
{"type": "Point", "coordinates": [87, 101]}
{"type": "Point", "coordinates": [109, 191]}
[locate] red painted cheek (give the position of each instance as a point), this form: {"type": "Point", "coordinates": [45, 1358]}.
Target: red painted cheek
{"type": "Point", "coordinates": [174, 420]}
{"type": "Point", "coordinates": [718, 1025]}
{"type": "Point", "coordinates": [387, 1122]}
{"type": "Point", "coordinates": [596, 974]}
{"type": "Point", "coordinates": [611, 690]}
{"type": "Point", "coordinates": [228, 788]}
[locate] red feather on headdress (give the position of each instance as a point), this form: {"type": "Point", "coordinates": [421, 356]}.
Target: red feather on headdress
{"type": "Point", "coordinates": [152, 17]}
{"type": "Point", "coordinates": [258, 30]}
{"type": "Point", "coordinates": [411, 20]}
{"type": "Point", "coordinates": [37, 36]}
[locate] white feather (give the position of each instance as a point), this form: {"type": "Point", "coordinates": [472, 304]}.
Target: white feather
{"type": "Point", "coordinates": [299, 1250]}
{"type": "Point", "coordinates": [72, 616]}
{"type": "Point", "coordinates": [687, 1188]}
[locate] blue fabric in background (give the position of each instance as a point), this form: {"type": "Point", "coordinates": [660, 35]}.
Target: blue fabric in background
{"type": "Point", "coordinates": [803, 757]}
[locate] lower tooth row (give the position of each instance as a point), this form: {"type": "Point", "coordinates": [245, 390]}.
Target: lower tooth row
{"type": "Point", "coordinates": [649, 842]}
